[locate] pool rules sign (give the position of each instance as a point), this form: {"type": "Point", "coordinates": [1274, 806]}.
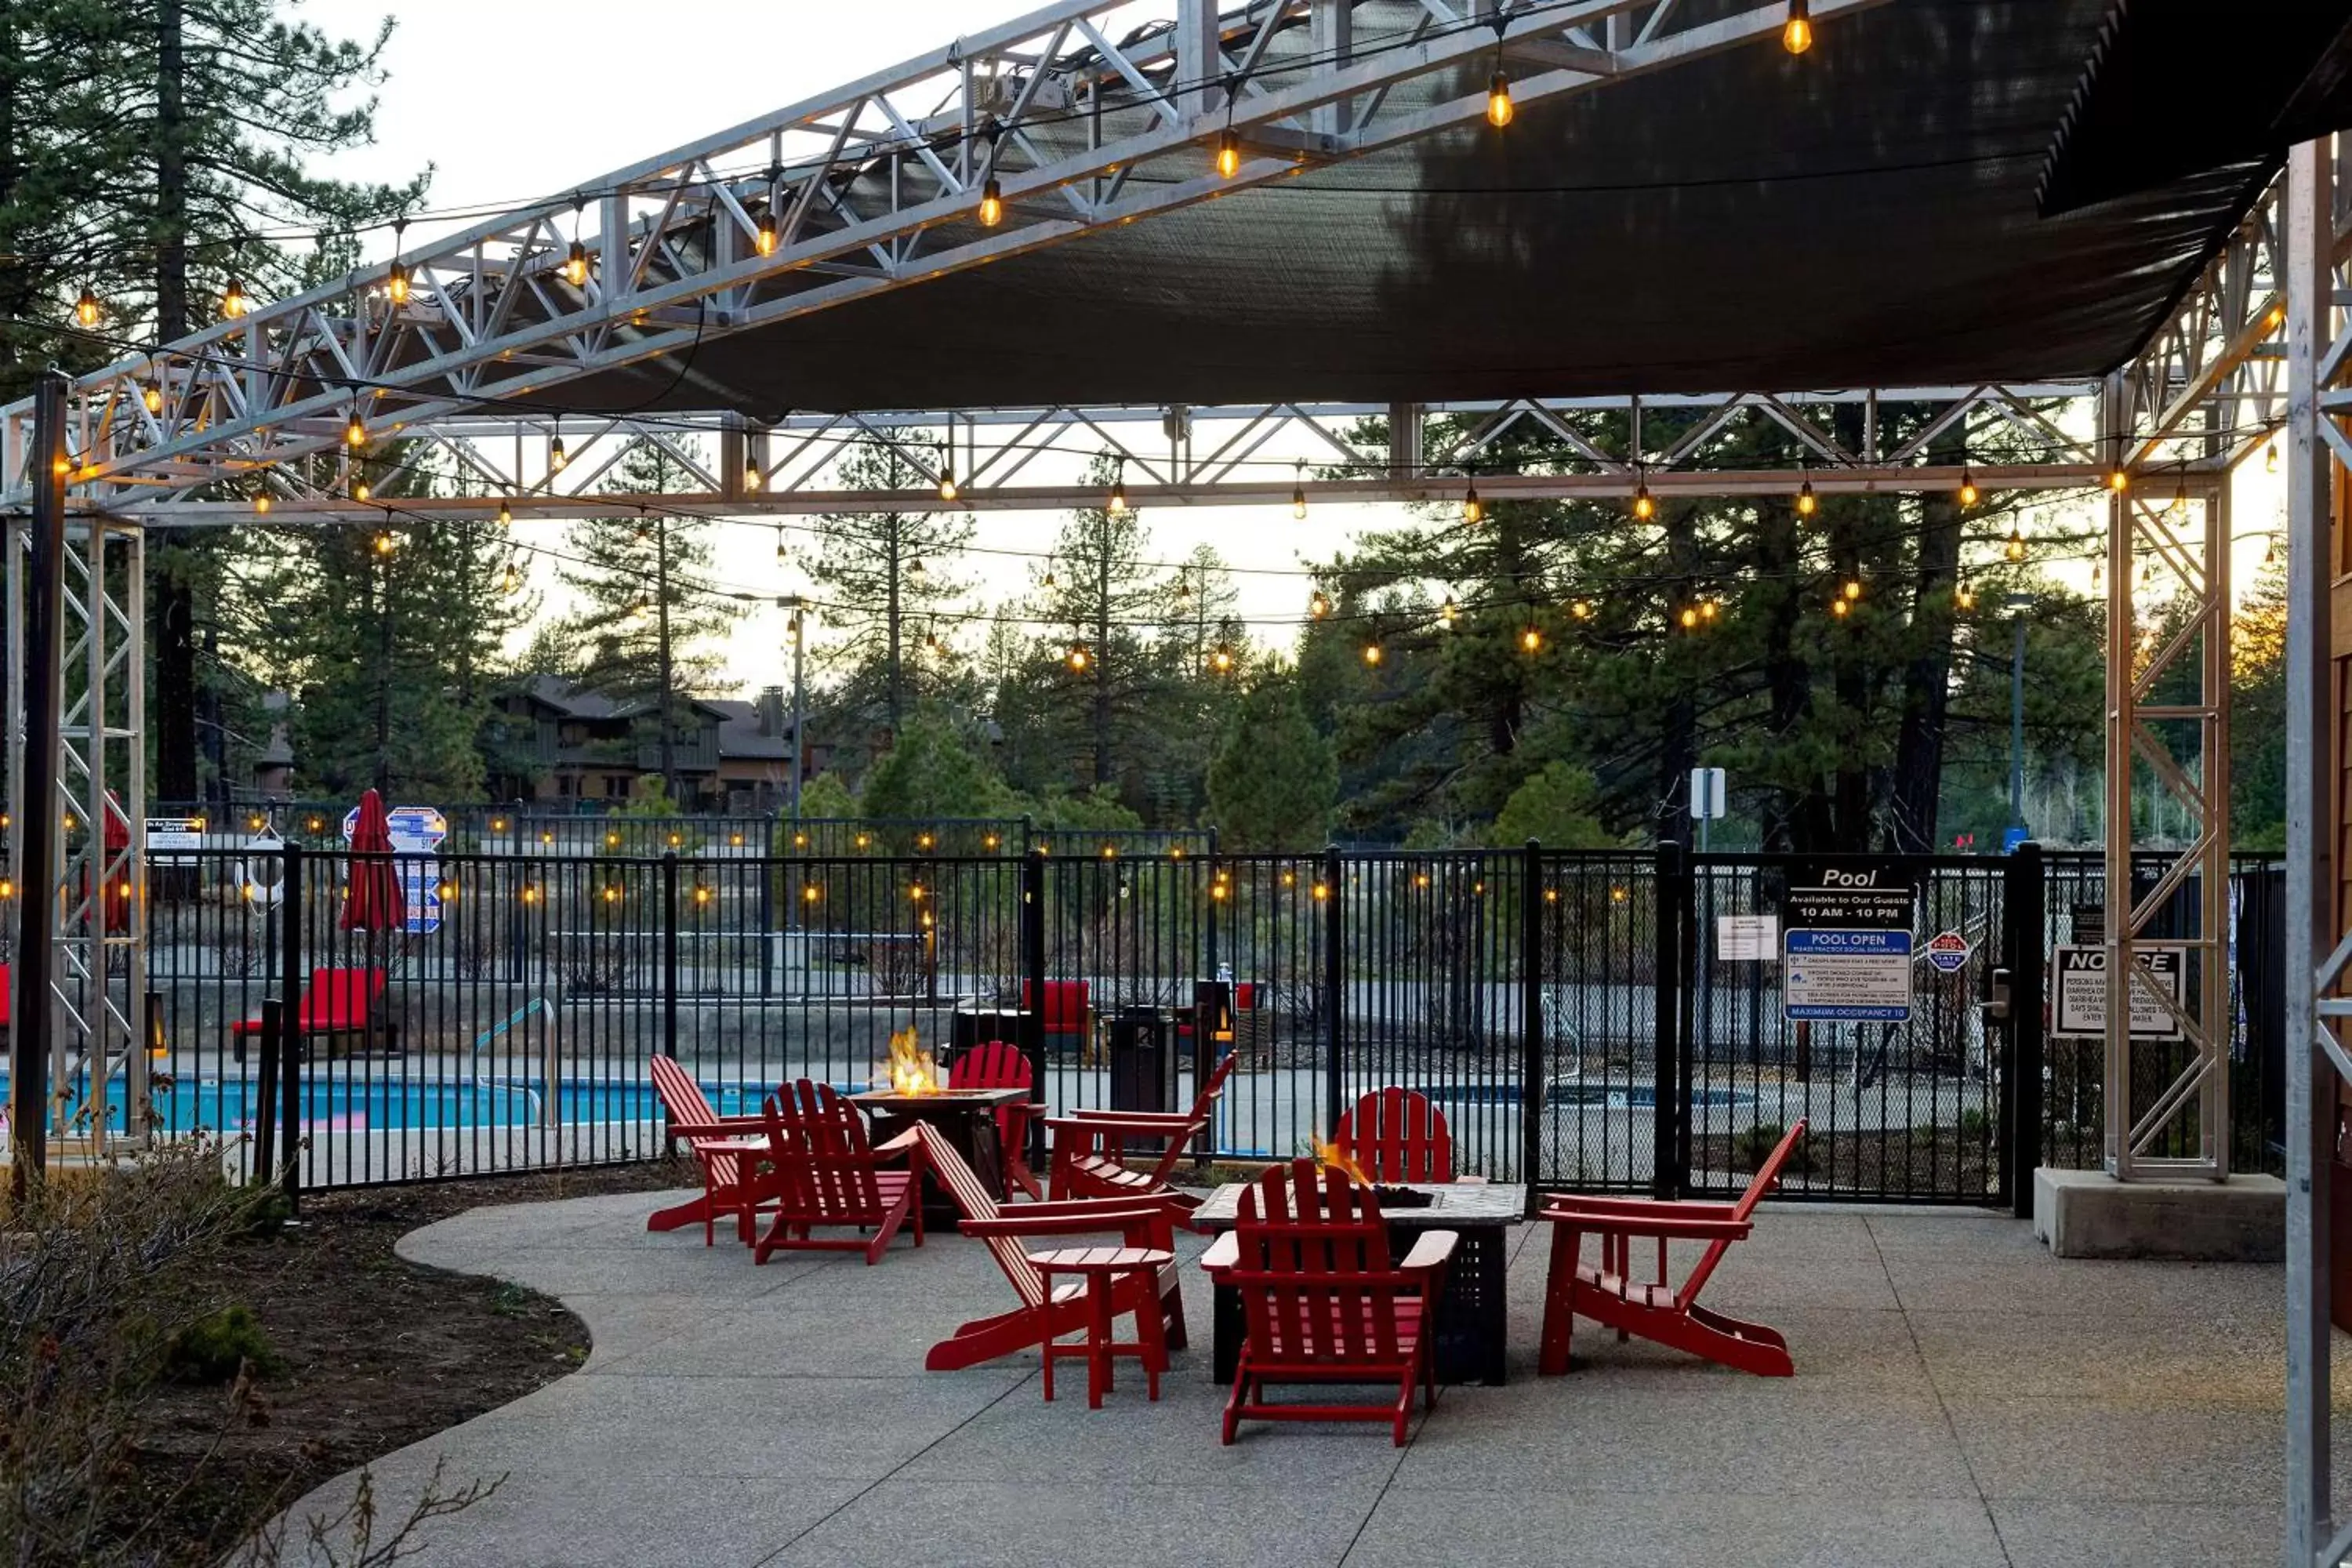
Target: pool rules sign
{"type": "Point", "coordinates": [1845, 951]}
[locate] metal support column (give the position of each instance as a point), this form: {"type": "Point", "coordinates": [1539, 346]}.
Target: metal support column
{"type": "Point", "coordinates": [2314, 1057]}
{"type": "Point", "coordinates": [36, 682]}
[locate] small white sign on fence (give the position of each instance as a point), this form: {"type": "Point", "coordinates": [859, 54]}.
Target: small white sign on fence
{"type": "Point", "coordinates": [1748, 938]}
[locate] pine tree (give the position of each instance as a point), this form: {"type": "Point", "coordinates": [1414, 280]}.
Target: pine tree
{"type": "Point", "coordinates": [1271, 781]}
{"type": "Point", "coordinates": [649, 619]}
{"type": "Point", "coordinates": [883, 578]}
{"type": "Point", "coordinates": [1104, 597]}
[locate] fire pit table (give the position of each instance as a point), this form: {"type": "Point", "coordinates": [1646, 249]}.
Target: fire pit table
{"type": "Point", "coordinates": [1471, 1320]}
{"type": "Point", "coordinates": [965, 1117]}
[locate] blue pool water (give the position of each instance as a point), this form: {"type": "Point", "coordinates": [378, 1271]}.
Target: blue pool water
{"type": "Point", "coordinates": [1594, 1096]}
{"type": "Point", "coordinates": [359, 1106]}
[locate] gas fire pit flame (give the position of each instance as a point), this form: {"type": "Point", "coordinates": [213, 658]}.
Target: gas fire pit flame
{"type": "Point", "coordinates": [912, 1071]}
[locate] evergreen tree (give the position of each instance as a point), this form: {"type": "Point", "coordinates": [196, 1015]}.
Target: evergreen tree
{"type": "Point", "coordinates": [1102, 596]}
{"type": "Point", "coordinates": [884, 578]}
{"type": "Point", "coordinates": [648, 619]}
{"type": "Point", "coordinates": [929, 773]}
{"type": "Point", "coordinates": [1272, 783]}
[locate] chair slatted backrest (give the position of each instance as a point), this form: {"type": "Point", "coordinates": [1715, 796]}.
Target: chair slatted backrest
{"type": "Point", "coordinates": [1203, 1104]}
{"type": "Point", "coordinates": [680, 1095]}
{"type": "Point", "coordinates": [1767, 1177]}
{"type": "Point", "coordinates": [1064, 1010]}
{"type": "Point", "coordinates": [823, 1160]}
{"type": "Point", "coordinates": [993, 1063]}
{"type": "Point", "coordinates": [1314, 1272]}
{"type": "Point", "coordinates": [1396, 1135]}
{"type": "Point", "coordinates": [972, 1196]}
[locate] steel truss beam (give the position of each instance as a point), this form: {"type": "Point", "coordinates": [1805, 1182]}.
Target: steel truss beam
{"type": "Point", "coordinates": [1003, 459]}
{"type": "Point", "coordinates": [840, 197]}
{"type": "Point", "coordinates": [99, 901]}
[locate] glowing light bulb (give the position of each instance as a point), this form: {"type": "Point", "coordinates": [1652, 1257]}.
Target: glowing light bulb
{"type": "Point", "coordinates": [1499, 110]}
{"type": "Point", "coordinates": [1531, 641]}
{"type": "Point", "coordinates": [1077, 659]}
{"type": "Point", "coordinates": [1117, 504]}
{"type": "Point", "coordinates": [1473, 509]}
{"type": "Point", "coordinates": [233, 301]}
{"type": "Point", "coordinates": [1222, 660]}
{"type": "Point", "coordinates": [1229, 154]}
{"type": "Point", "coordinates": [1449, 611]}
{"type": "Point", "coordinates": [2118, 482]}
{"type": "Point", "coordinates": [360, 488]}
{"type": "Point", "coordinates": [86, 309]}
{"type": "Point", "coordinates": [355, 430]}
{"type": "Point", "coordinates": [152, 395]}
{"type": "Point", "coordinates": [385, 541]}
{"type": "Point", "coordinates": [750, 472]}
{"type": "Point", "coordinates": [556, 457]}
{"type": "Point", "coordinates": [764, 238]}
{"type": "Point", "coordinates": [1964, 597]}
{"type": "Point", "coordinates": [1797, 34]}
{"type": "Point", "coordinates": [1853, 588]}
{"type": "Point", "coordinates": [641, 610]}
{"type": "Point", "coordinates": [1689, 616]}
{"type": "Point", "coordinates": [1967, 488]}
{"type": "Point", "coordinates": [1371, 653]}
{"type": "Point", "coordinates": [1709, 608]}
{"type": "Point", "coordinates": [575, 265]}
{"type": "Point", "coordinates": [1582, 609]}
{"type": "Point", "coordinates": [511, 582]}
{"type": "Point", "coordinates": [947, 478]}
{"type": "Point", "coordinates": [1644, 508]}
{"type": "Point", "coordinates": [1318, 605]}
{"type": "Point", "coordinates": [1807, 503]}
{"type": "Point", "coordinates": [1298, 498]}
{"type": "Point", "coordinates": [2270, 457]}
{"type": "Point", "coordinates": [1838, 608]}
{"type": "Point", "coordinates": [505, 515]}
{"type": "Point", "coordinates": [991, 205]}
{"type": "Point", "coordinates": [261, 504]}
{"type": "Point", "coordinates": [396, 283]}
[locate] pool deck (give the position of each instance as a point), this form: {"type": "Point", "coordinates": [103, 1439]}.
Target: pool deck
{"type": "Point", "coordinates": [1961, 1398]}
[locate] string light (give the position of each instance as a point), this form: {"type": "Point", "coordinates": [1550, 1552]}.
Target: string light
{"type": "Point", "coordinates": [1531, 641]}
{"type": "Point", "coordinates": [2014, 549]}
{"type": "Point", "coordinates": [1582, 609]}
{"type": "Point", "coordinates": [1838, 608]}
{"type": "Point", "coordinates": [355, 430]}
{"type": "Point", "coordinates": [1688, 617]}
{"type": "Point", "coordinates": [641, 610]}
{"type": "Point", "coordinates": [1298, 494]}
{"type": "Point", "coordinates": [512, 582]}
{"type": "Point", "coordinates": [576, 264]}
{"type": "Point", "coordinates": [1709, 608]}
{"type": "Point", "coordinates": [233, 301]}
{"type": "Point", "coordinates": [1853, 588]}
{"type": "Point", "coordinates": [2269, 552]}
{"type": "Point", "coordinates": [2118, 480]}
{"type": "Point", "coordinates": [1117, 504]}
{"type": "Point", "coordinates": [1229, 153]}
{"type": "Point", "coordinates": [359, 491]}
{"type": "Point", "coordinates": [396, 283]}
{"type": "Point", "coordinates": [556, 457]}
{"type": "Point", "coordinates": [384, 542]}
{"type": "Point", "coordinates": [1473, 509]}
{"type": "Point", "coordinates": [915, 568]}
{"type": "Point", "coordinates": [751, 477]}
{"type": "Point", "coordinates": [1499, 110]}
{"type": "Point", "coordinates": [2098, 576]}
{"type": "Point", "coordinates": [506, 515]}
{"type": "Point", "coordinates": [1449, 611]}
{"type": "Point", "coordinates": [2270, 456]}
{"type": "Point", "coordinates": [1644, 508]}
{"type": "Point", "coordinates": [1222, 659]}
{"type": "Point", "coordinates": [1078, 659]}
{"type": "Point", "coordinates": [1047, 583]}
{"type": "Point", "coordinates": [2179, 508]}
{"type": "Point", "coordinates": [763, 239]}
{"type": "Point", "coordinates": [1968, 487]}
{"type": "Point", "coordinates": [1371, 653]}
{"type": "Point", "coordinates": [1964, 597]}
{"type": "Point", "coordinates": [779, 543]}
{"type": "Point", "coordinates": [86, 309]}
{"type": "Point", "coordinates": [152, 395]}
{"type": "Point", "coordinates": [991, 205]}
{"type": "Point", "coordinates": [1797, 35]}
{"type": "Point", "coordinates": [947, 474]}
{"type": "Point", "coordinates": [1807, 503]}
{"type": "Point", "coordinates": [1318, 605]}
{"type": "Point", "coordinates": [261, 504]}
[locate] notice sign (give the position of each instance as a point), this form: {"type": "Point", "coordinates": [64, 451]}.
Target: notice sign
{"type": "Point", "coordinates": [2081, 974]}
{"type": "Point", "coordinates": [1949, 951]}
{"type": "Point", "coordinates": [1847, 956]}
{"type": "Point", "coordinates": [1748, 938]}
{"type": "Point", "coordinates": [165, 834]}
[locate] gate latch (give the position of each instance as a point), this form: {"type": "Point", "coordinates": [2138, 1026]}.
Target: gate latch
{"type": "Point", "coordinates": [1995, 1006]}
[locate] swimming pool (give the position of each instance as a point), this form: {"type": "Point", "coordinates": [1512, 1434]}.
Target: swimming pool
{"type": "Point", "coordinates": [1584, 1096]}
{"type": "Point", "coordinates": [360, 1105]}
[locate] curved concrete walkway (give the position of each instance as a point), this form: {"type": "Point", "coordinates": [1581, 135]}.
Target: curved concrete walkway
{"type": "Point", "coordinates": [1962, 1399]}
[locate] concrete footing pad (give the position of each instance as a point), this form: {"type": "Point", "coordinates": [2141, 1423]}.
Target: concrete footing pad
{"type": "Point", "coordinates": [2088, 1214]}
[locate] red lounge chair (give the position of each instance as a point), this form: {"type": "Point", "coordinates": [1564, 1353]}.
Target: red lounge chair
{"type": "Point", "coordinates": [728, 1185]}
{"type": "Point", "coordinates": [1396, 1135]}
{"type": "Point", "coordinates": [994, 1064]}
{"type": "Point", "coordinates": [825, 1174]}
{"type": "Point", "coordinates": [1010, 1231]}
{"type": "Point", "coordinates": [1309, 1255]}
{"type": "Point", "coordinates": [1086, 1145]}
{"type": "Point", "coordinates": [1607, 1294]}
{"type": "Point", "coordinates": [335, 1001]}
{"type": "Point", "coordinates": [1067, 1016]}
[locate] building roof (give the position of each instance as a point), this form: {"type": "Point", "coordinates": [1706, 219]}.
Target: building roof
{"type": "Point", "coordinates": [740, 738]}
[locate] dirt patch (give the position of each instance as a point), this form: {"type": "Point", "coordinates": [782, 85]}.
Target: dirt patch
{"type": "Point", "coordinates": [374, 1354]}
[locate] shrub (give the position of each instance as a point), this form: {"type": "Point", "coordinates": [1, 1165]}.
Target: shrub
{"type": "Point", "coordinates": [212, 1349]}
{"type": "Point", "coordinates": [1754, 1146]}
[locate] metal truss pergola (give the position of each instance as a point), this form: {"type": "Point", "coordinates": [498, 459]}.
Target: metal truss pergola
{"type": "Point", "coordinates": [1068, 122]}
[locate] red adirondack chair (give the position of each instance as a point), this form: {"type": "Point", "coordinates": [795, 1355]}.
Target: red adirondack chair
{"type": "Point", "coordinates": [1608, 1293]}
{"type": "Point", "coordinates": [997, 1063]}
{"type": "Point", "coordinates": [335, 1001]}
{"type": "Point", "coordinates": [1309, 1255]}
{"type": "Point", "coordinates": [1396, 1135]}
{"type": "Point", "coordinates": [1067, 1015]}
{"type": "Point", "coordinates": [1087, 1145]}
{"type": "Point", "coordinates": [825, 1174]}
{"type": "Point", "coordinates": [1010, 1231]}
{"type": "Point", "coordinates": [728, 1173]}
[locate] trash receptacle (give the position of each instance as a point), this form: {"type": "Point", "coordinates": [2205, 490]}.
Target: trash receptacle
{"type": "Point", "coordinates": [1142, 1066]}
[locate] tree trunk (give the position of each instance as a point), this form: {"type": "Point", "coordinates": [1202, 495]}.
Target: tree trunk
{"type": "Point", "coordinates": [666, 674]}
{"type": "Point", "coordinates": [1790, 815]}
{"type": "Point", "coordinates": [1850, 674]}
{"type": "Point", "coordinates": [1102, 656]}
{"type": "Point", "coordinates": [172, 596]}
{"type": "Point", "coordinates": [894, 694]}
{"type": "Point", "coordinates": [1927, 683]}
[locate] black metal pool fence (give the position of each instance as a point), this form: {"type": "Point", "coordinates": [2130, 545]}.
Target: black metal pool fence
{"type": "Point", "coordinates": [1604, 1020]}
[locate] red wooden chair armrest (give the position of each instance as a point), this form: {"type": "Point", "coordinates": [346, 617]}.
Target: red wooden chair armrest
{"type": "Point", "coordinates": [1019, 1221]}
{"type": "Point", "coordinates": [1132, 1119]}
{"type": "Point", "coordinates": [908, 1143]}
{"type": "Point", "coordinates": [1222, 1254]}
{"type": "Point", "coordinates": [1137, 1124]}
{"type": "Point", "coordinates": [1629, 1207]}
{"type": "Point", "coordinates": [1151, 1203]}
{"type": "Point", "coordinates": [725, 1126]}
{"type": "Point", "coordinates": [1664, 1230]}
{"type": "Point", "coordinates": [1432, 1249]}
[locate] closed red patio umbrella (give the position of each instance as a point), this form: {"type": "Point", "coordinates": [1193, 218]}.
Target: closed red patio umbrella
{"type": "Point", "coordinates": [372, 900]}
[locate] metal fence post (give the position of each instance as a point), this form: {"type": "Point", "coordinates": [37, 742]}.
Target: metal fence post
{"type": "Point", "coordinates": [291, 978]}
{"type": "Point", "coordinates": [1534, 1078]}
{"type": "Point", "coordinates": [1666, 949]}
{"type": "Point", "coordinates": [1032, 984]}
{"type": "Point", "coordinates": [1335, 982]}
{"type": "Point", "coordinates": [2022, 903]}
{"type": "Point", "coordinates": [669, 954]}
{"type": "Point", "coordinates": [265, 1109]}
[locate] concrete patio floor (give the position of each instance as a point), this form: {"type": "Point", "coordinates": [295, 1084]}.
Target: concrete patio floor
{"type": "Point", "coordinates": [1961, 1398]}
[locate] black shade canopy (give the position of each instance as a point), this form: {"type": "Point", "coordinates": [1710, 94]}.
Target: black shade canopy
{"type": "Point", "coordinates": [1863, 215]}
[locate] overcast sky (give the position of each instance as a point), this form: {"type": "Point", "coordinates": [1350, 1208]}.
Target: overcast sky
{"type": "Point", "coordinates": [510, 102]}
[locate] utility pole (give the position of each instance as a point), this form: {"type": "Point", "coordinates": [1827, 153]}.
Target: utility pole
{"type": "Point", "coordinates": [799, 752]}
{"type": "Point", "coordinates": [1102, 652]}
{"type": "Point", "coordinates": [2017, 605]}
{"type": "Point", "coordinates": [891, 544]}
{"type": "Point", "coordinates": [661, 597]}
{"type": "Point", "coordinates": [382, 582]}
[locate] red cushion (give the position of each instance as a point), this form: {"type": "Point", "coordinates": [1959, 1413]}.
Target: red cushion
{"type": "Point", "coordinates": [1065, 1012]}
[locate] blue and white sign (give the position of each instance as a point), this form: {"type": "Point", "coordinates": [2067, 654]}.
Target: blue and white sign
{"type": "Point", "coordinates": [1949, 951]}
{"type": "Point", "coordinates": [1847, 976]}
{"type": "Point", "coordinates": [416, 832]}
{"type": "Point", "coordinates": [2011, 837]}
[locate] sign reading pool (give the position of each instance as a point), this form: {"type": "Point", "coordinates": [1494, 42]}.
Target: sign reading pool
{"type": "Point", "coordinates": [1846, 952]}
{"type": "Point", "coordinates": [416, 832]}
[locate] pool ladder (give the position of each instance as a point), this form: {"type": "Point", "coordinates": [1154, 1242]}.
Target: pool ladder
{"type": "Point", "coordinates": [543, 1106]}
